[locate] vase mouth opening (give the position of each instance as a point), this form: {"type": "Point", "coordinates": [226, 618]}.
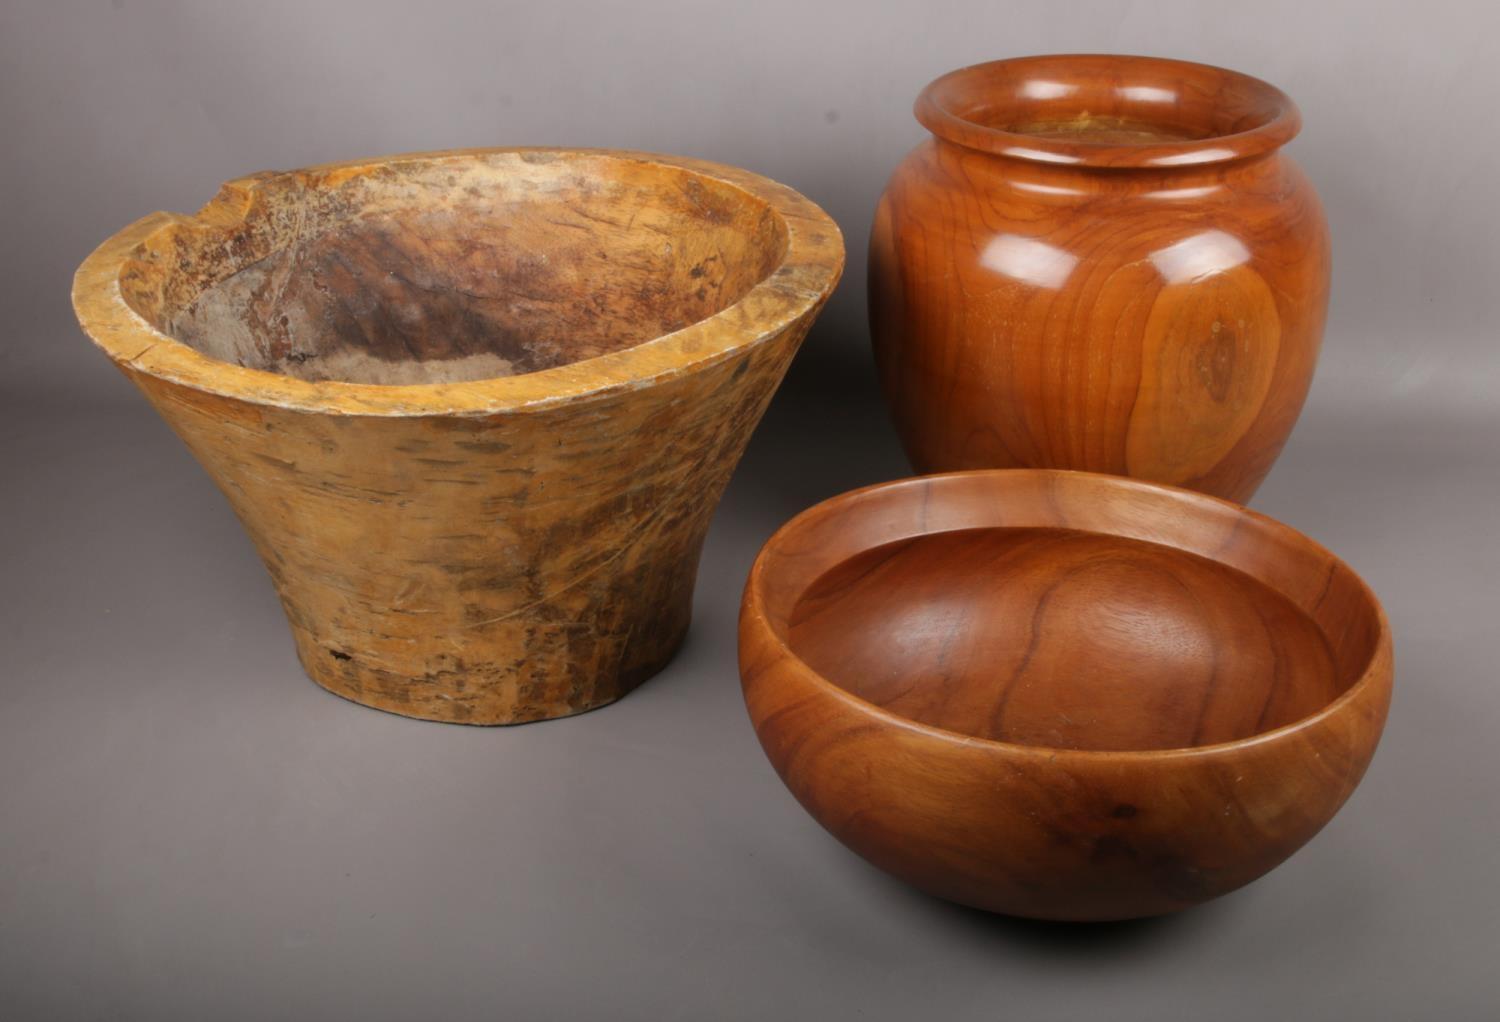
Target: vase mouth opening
{"type": "Point", "coordinates": [1102, 111]}
{"type": "Point", "coordinates": [460, 281]}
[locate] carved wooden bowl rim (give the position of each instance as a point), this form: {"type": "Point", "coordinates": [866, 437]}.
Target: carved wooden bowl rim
{"type": "Point", "coordinates": [1278, 124]}
{"type": "Point", "coordinates": [808, 271]}
{"type": "Point", "coordinates": [1062, 489]}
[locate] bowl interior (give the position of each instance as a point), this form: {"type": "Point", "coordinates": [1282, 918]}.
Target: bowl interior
{"type": "Point", "coordinates": [1048, 634]}
{"type": "Point", "coordinates": [447, 269]}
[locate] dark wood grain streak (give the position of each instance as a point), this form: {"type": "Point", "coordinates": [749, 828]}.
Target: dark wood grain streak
{"type": "Point", "coordinates": [1100, 263]}
{"type": "Point", "coordinates": [1060, 694]}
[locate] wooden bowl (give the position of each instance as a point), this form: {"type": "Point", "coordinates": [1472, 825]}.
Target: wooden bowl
{"type": "Point", "coordinates": [475, 408]}
{"type": "Point", "coordinates": [1058, 694]}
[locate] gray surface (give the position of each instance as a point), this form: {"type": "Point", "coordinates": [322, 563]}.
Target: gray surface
{"type": "Point", "coordinates": [191, 829]}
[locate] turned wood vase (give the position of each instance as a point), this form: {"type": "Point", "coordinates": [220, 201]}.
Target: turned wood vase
{"type": "Point", "coordinates": [474, 408]}
{"type": "Point", "coordinates": [1060, 694]}
{"type": "Point", "coordinates": [1101, 263]}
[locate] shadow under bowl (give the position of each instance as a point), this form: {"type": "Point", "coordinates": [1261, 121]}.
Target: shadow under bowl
{"type": "Point", "coordinates": [1058, 694]}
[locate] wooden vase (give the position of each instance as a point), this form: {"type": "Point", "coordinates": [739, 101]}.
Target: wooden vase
{"type": "Point", "coordinates": [1101, 263]}
{"type": "Point", "coordinates": [474, 408]}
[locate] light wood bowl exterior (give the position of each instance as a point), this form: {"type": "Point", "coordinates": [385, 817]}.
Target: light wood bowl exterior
{"type": "Point", "coordinates": [1062, 695]}
{"type": "Point", "coordinates": [475, 408]}
{"type": "Point", "coordinates": [1100, 263]}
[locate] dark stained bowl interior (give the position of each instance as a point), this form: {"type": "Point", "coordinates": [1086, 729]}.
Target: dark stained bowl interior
{"type": "Point", "coordinates": [1075, 639]}
{"type": "Point", "coordinates": [444, 270]}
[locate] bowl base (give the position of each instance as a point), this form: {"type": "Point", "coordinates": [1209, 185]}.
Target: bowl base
{"type": "Point", "coordinates": [477, 697]}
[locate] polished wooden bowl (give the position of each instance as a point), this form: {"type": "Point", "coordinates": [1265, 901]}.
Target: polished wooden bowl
{"type": "Point", "coordinates": [1059, 694]}
{"type": "Point", "coordinates": [475, 408]}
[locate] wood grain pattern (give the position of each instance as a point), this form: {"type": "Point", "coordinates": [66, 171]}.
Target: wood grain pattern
{"type": "Point", "coordinates": [1100, 263]}
{"type": "Point", "coordinates": [475, 408]}
{"type": "Point", "coordinates": [1060, 694]}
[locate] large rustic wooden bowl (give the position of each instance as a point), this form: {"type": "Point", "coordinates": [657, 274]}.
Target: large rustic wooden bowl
{"type": "Point", "coordinates": [1058, 694]}
{"type": "Point", "coordinates": [475, 408]}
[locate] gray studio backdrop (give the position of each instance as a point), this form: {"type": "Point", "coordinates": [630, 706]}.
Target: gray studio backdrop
{"type": "Point", "coordinates": [190, 829]}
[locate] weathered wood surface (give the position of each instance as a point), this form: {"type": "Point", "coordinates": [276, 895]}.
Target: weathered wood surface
{"type": "Point", "coordinates": [475, 408]}
{"type": "Point", "coordinates": [1060, 694]}
{"type": "Point", "coordinates": [1100, 263]}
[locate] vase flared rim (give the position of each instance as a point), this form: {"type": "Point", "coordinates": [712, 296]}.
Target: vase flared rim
{"type": "Point", "coordinates": [1226, 115]}
{"type": "Point", "coordinates": [808, 270]}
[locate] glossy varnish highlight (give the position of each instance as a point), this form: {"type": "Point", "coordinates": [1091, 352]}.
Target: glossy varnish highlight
{"type": "Point", "coordinates": [1100, 263]}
